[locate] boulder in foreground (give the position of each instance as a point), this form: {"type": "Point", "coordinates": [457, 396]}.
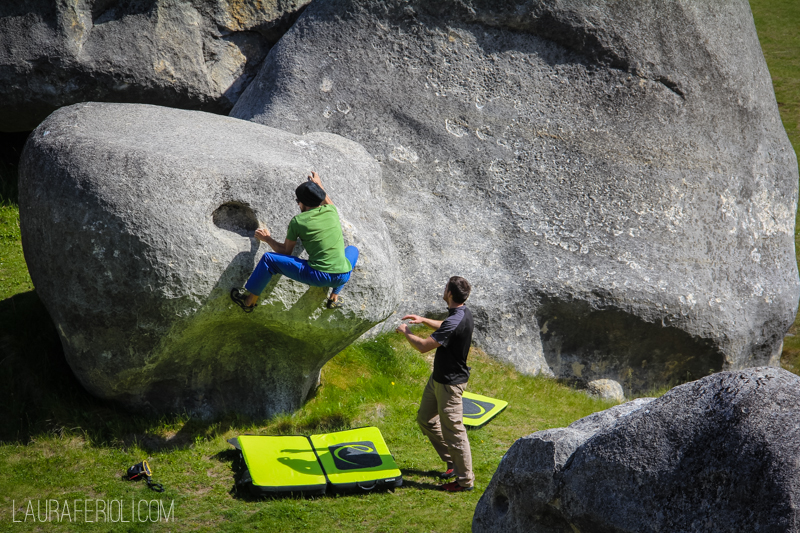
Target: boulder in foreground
{"type": "Point", "coordinates": [718, 454]}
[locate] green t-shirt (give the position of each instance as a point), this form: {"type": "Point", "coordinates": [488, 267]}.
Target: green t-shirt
{"type": "Point", "coordinates": [321, 232]}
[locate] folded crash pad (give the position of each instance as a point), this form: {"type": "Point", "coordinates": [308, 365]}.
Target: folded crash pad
{"type": "Point", "coordinates": [478, 410]}
{"type": "Point", "coordinates": [357, 459]}
{"type": "Point", "coordinates": [354, 459]}
{"type": "Point", "coordinates": [281, 464]}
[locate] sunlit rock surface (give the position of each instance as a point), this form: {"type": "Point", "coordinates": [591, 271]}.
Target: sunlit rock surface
{"type": "Point", "coordinates": [195, 54]}
{"type": "Point", "coordinates": [612, 177]}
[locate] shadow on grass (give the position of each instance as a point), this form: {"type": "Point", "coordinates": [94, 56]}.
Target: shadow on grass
{"type": "Point", "coordinates": [39, 382]}
{"type": "Point", "coordinates": [240, 489]}
{"type": "Point", "coordinates": [407, 483]}
{"type": "Point", "coordinates": [43, 397]}
{"type": "Point", "coordinates": [410, 484]}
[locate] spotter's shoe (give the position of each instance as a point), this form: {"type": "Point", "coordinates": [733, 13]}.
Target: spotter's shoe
{"type": "Point", "coordinates": [447, 474]}
{"type": "Point", "coordinates": [453, 486]}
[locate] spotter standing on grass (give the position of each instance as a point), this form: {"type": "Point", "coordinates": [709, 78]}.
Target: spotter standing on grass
{"type": "Point", "coordinates": [440, 414]}
{"type": "Point", "coordinates": [329, 263]}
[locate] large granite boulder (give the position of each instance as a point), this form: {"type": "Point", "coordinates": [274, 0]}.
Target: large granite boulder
{"type": "Point", "coordinates": [612, 177]}
{"type": "Point", "coordinates": [190, 54]}
{"type": "Point", "coordinates": [718, 454]}
{"type": "Point", "coordinates": [138, 220]}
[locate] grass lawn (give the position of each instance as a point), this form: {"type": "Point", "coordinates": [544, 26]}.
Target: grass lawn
{"type": "Point", "coordinates": [58, 443]}
{"type": "Point", "coordinates": [62, 444]}
{"type": "Point", "coordinates": [778, 26]}
{"type": "Point", "coordinates": [14, 277]}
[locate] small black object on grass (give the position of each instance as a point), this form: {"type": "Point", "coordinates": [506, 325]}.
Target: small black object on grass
{"type": "Point", "coordinates": [142, 470]}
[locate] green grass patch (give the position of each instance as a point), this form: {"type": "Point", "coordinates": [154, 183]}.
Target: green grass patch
{"type": "Point", "coordinates": [60, 443]}
{"type": "Point", "coordinates": [14, 277]}
{"type": "Point", "coordinates": [777, 23]}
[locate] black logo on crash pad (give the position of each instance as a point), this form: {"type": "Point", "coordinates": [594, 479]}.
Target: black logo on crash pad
{"type": "Point", "coordinates": [355, 455]}
{"type": "Point", "coordinates": [475, 408]}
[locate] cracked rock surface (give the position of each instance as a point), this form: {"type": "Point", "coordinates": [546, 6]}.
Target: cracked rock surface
{"type": "Point", "coordinates": [718, 454]}
{"type": "Point", "coordinates": [138, 220]}
{"type": "Point", "coordinates": [194, 54]}
{"type": "Point", "coordinates": [612, 177]}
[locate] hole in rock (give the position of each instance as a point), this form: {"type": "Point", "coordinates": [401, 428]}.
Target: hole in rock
{"type": "Point", "coordinates": [500, 503]}
{"type": "Point", "coordinates": [236, 217]}
{"type": "Point", "coordinates": [582, 343]}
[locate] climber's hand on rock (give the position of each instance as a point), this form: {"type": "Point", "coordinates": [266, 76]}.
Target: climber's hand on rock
{"type": "Point", "coordinates": [415, 319]}
{"type": "Point", "coordinates": [315, 178]}
{"type": "Point", "coordinates": [403, 328]}
{"type": "Point", "coordinates": [262, 234]}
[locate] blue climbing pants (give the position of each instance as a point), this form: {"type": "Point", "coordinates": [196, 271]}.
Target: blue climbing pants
{"type": "Point", "coordinates": [297, 269]}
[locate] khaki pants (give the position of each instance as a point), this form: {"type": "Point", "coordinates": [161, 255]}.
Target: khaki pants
{"type": "Point", "coordinates": [440, 417]}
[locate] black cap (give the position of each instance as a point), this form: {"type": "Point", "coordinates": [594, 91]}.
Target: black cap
{"type": "Point", "coordinates": [310, 194]}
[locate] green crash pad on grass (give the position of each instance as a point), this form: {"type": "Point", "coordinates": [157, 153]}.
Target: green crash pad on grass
{"type": "Point", "coordinates": [282, 464]}
{"type": "Point", "coordinates": [478, 410]}
{"type": "Point", "coordinates": [357, 459]}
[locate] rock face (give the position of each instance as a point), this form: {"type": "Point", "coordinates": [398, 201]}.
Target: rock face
{"type": "Point", "coordinates": [190, 54]}
{"type": "Point", "coordinates": [525, 486]}
{"type": "Point", "coordinates": [612, 177]}
{"type": "Point", "coordinates": [138, 220]}
{"type": "Point", "coordinates": [718, 454]}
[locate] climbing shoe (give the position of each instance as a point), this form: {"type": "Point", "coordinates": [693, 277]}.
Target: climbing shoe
{"type": "Point", "coordinates": [330, 303]}
{"type": "Point", "coordinates": [238, 297]}
{"type": "Point", "coordinates": [453, 486]}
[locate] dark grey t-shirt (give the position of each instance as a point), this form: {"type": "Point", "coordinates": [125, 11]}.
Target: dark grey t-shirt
{"type": "Point", "coordinates": [455, 336]}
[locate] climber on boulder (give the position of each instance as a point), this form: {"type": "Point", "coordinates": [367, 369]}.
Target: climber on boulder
{"type": "Point", "coordinates": [329, 263]}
